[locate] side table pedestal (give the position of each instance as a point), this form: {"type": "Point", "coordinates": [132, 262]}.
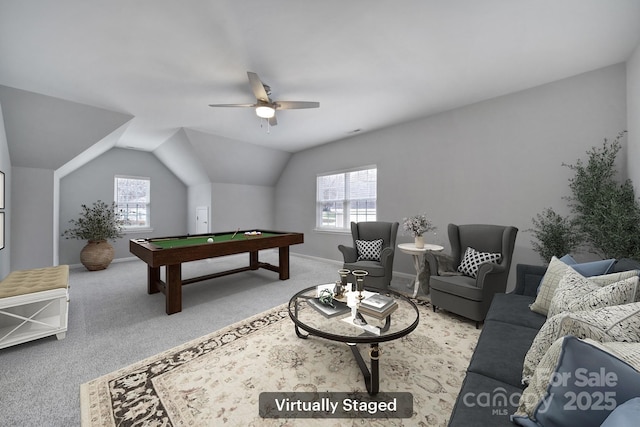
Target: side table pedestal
{"type": "Point", "coordinates": [417, 254]}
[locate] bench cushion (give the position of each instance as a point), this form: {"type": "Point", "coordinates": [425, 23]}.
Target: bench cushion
{"type": "Point", "coordinates": [23, 282]}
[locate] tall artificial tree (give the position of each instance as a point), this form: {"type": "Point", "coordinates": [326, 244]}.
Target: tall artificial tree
{"type": "Point", "coordinates": [605, 211]}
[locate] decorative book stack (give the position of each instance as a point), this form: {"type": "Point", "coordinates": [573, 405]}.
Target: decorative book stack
{"type": "Point", "coordinates": [337, 309]}
{"type": "Point", "coordinates": [378, 306]}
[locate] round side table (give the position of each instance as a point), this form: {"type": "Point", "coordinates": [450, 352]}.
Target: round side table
{"type": "Point", "coordinates": [417, 253]}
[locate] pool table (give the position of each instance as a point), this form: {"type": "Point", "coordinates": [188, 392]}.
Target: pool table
{"type": "Point", "coordinates": [171, 252]}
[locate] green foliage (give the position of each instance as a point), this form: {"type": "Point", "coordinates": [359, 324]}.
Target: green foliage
{"type": "Point", "coordinates": [99, 222]}
{"type": "Point", "coordinates": [556, 235]}
{"type": "Point", "coordinates": [605, 210]}
{"type": "Point", "coordinates": [606, 213]}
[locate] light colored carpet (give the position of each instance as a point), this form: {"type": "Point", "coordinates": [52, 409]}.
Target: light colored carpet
{"type": "Point", "coordinates": [217, 379]}
{"type": "Point", "coordinates": [113, 323]}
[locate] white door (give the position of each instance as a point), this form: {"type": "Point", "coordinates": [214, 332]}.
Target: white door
{"type": "Point", "coordinates": [202, 220]}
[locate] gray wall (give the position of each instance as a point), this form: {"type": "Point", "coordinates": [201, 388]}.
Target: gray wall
{"type": "Point", "coordinates": [242, 206]}
{"type": "Point", "coordinates": [198, 195]}
{"type": "Point", "coordinates": [498, 161]}
{"type": "Point", "coordinates": [94, 181]}
{"type": "Point", "coordinates": [5, 166]}
{"type": "Point", "coordinates": [633, 118]}
{"type": "Point", "coordinates": [233, 206]}
{"type": "Point", "coordinates": [32, 202]}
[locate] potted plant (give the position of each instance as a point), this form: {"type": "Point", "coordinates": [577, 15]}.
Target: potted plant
{"type": "Point", "coordinates": [416, 226]}
{"type": "Point", "coordinates": [96, 224]}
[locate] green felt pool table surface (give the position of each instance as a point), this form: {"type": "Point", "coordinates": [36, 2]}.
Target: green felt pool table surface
{"type": "Point", "coordinates": [166, 243]}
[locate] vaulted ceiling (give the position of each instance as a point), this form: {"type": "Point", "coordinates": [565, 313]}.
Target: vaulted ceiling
{"type": "Point", "coordinates": [75, 72]}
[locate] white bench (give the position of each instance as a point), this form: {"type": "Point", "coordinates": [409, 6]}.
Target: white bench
{"type": "Point", "coordinates": [34, 304]}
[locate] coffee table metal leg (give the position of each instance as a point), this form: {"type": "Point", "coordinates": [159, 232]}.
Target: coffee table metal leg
{"type": "Point", "coordinates": [300, 334]}
{"type": "Point", "coordinates": [371, 377]}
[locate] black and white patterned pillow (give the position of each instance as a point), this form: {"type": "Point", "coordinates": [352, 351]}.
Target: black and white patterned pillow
{"type": "Point", "coordinates": [369, 250]}
{"type": "Point", "coordinates": [472, 260]}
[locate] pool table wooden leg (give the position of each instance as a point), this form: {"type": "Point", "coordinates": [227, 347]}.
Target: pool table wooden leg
{"type": "Point", "coordinates": [253, 260]}
{"type": "Point", "coordinates": [153, 277]}
{"type": "Point", "coordinates": [283, 254]}
{"type": "Point", "coordinates": [173, 289]}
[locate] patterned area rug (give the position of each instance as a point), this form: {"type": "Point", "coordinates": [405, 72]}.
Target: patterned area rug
{"type": "Point", "coordinates": [216, 379]}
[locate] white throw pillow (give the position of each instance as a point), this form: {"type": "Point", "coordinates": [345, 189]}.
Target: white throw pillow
{"type": "Point", "coordinates": [616, 323]}
{"type": "Point", "coordinates": [578, 293]}
{"type": "Point", "coordinates": [555, 272]}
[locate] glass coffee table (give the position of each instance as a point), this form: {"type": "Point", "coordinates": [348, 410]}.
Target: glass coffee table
{"type": "Point", "coordinates": [344, 327]}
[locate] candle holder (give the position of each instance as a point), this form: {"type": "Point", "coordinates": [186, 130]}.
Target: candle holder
{"type": "Point", "coordinates": [359, 275]}
{"type": "Point", "coordinates": [341, 285]}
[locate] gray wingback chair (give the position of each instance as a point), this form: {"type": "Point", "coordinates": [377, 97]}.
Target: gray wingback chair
{"type": "Point", "coordinates": [462, 294]}
{"type": "Point", "coordinates": [380, 271]}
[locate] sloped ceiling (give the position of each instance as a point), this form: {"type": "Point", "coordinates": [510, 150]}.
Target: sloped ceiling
{"type": "Point", "coordinates": [224, 158]}
{"type": "Point", "coordinates": [45, 132]}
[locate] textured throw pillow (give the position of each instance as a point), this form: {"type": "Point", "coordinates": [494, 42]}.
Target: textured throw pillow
{"type": "Point", "coordinates": [472, 260]}
{"type": "Point", "coordinates": [616, 323]}
{"type": "Point", "coordinates": [369, 250]}
{"type": "Point", "coordinates": [578, 383]}
{"type": "Point", "coordinates": [578, 293]}
{"type": "Point", "coordinates": [555, 272]}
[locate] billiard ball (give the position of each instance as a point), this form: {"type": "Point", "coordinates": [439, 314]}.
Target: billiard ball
{"type": "Point", "coordinates": [209, 240]}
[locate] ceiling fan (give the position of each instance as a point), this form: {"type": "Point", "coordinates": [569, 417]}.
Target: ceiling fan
{"type": "Point", "coordinates": [264, 106]}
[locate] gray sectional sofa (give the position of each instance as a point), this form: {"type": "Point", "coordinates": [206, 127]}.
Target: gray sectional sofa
{"type": "Point", "coordinates": [492, 386]}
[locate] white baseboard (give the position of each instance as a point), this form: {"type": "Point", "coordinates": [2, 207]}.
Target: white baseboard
{"type": "Point", "coordinates": [133, 258]}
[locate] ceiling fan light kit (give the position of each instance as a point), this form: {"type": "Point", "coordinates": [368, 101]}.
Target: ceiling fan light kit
{"type": "Point", "coordinates": [265, 112]}
{"type": "Point", "coordinates": [266, 108]}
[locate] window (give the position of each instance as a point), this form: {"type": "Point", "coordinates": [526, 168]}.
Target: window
{"type": "Point", "coordinates": [345, 197]}
{"type": "Point", "coordinates": [132, 195]}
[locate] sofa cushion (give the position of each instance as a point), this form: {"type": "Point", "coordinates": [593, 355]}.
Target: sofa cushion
{"type": "Point", "coordinates": [528, 279]}
{"type": "Point", "coordinates": [514, 309]}
{"type": "Point", "coordinates": [625, 415]}
{"type": "Point", "coordinates": [577, 383]}
{"type": "Point", "coordinates": [625, 264]}
{"type": "Point", "coordinates": [591, 268]}
{"type": "Point", "coordinates": [617, 323]}
{"type": "Point", "coordinates": [578, 293]}
{"type": "Point", "coordinates": [484, 401]}
{"type": "Point", "coordinates": [500, 351]}
{"type": "Point", "coordinates": [555, 272]}
{"type": "Point", "coordinates": [473, 259]}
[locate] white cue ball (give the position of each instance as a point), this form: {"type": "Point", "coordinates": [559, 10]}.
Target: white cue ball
{"type": "Point", "coordinates": [209, 240]}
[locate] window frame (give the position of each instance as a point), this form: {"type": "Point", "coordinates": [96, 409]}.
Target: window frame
{"type": "Point", "coordinates": [345, 202]}
{"type": "Point", "coordinates": [135, 228]}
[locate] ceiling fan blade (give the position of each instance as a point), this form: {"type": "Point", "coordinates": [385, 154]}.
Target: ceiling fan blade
{"type": "Point", "coordinates": [273, 121]}
{"type": "Point", "coordinates": [294, 105]}
{"type": "Point", "coordinates": [232, 105]}
{"type": "Point", "coordinates": [258, 87]}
